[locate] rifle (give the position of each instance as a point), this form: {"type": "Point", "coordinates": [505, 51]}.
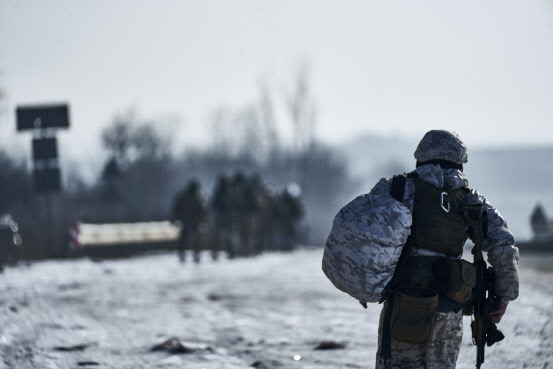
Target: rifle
{"type": "Point", "coordinates": [485, 300]}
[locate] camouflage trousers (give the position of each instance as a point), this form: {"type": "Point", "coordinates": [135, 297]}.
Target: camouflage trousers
{"type": "Point", "coordinates": [440, 353]}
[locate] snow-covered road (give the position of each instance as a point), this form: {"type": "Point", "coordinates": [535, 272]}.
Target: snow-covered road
{"type": "Point", "coordinates": [245, 313]}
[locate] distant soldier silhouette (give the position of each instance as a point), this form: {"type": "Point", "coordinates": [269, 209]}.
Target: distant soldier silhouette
{"type": "Point", "coordinates": [243, 208]}
{"type": "Point", "coordinates": [236, 212]}
{"type": "Point", "coordinates": [111, 181]}
{"type": "Point", "coordinates": [10, 241]}
{"type": "Point", "coordinates": [288, 212]}
{"type": "Point", "coordinates": [540, 225]}
{"type": "Point", "coordinates": [190, 212]}
{"type": "Point", "coordinates": [221, 209]}
{"type": "Point", "coordinates": [261, 221]}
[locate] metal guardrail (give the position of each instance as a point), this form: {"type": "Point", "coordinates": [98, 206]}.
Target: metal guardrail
{"type": "Point", "coordinates": [83, 235]}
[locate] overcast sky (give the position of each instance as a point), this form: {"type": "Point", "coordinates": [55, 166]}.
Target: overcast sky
{"type": "Point", "coordinates": [481, 68]}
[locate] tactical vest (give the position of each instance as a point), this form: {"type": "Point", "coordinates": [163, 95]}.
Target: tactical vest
{"type": "Point", "coordinates": [438, 219]}
{"type": "Point", "coordinates": [439, 225]}
{"type": "Point", "coordinates": [424, 285]}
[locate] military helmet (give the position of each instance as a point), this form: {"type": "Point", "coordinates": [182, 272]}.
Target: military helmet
{"type": "Point", "coordinates": [193, 186]}
{"type": "Point", "coordinates": [441, 145]}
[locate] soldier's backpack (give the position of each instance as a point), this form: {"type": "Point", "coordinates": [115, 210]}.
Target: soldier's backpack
{"type": "Point", "coordinates": [365, 243]}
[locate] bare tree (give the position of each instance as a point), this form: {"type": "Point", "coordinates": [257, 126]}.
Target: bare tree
{"type": "Point", "coordinates": [138, 178]}
{"type": "Point", "coordinates": [248, 132]}
{"type": "Point", "coordinates": [267, 118]}
{"type": "Point", "coordinates": [116, 139]}
{"type": "Point", "coordinates": [302, 111]}
{"type": "Point", "coordinates": [129, 139]}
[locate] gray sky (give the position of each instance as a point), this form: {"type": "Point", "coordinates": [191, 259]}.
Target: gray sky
{"type": "Point", "coordinates": [481, 68]}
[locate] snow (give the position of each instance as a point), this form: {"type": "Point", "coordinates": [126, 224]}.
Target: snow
{"type": "Point", "coordinates": [262, 311]}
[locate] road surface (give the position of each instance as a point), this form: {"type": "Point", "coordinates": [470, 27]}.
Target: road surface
{"type": "Point", "coordinates": [265, 312]}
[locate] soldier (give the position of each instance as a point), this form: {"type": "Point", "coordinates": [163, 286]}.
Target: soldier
{"type": "Point", "coordinates": [221, 208]}
{"type": "Point", "coordinates": [111, 182]}
{"type": "Point", "coordinates": [288, 213]}
{"type": "Point", "coordinates": [243, 207]}
{"type": "Point", "coordinates": [540, 225]}
{"type": "Point", "coordinates": [262, 219]}
{"type": "Point", "coordinates": [189, 212]}
{"type": "Point", "coordinates": [10, 241]}
{"type": "Point", "coordinates": [435, 193]}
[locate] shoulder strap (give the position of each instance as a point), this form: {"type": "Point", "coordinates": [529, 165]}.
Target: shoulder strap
{"type": "Point", "coordinates": [398, 187]}
{"type": "Point", "coordinates": [398, 184]}
{"type": "Point", "coordinates": [387, 293]}
{"type": "Point", "coordinates": [398, 191]}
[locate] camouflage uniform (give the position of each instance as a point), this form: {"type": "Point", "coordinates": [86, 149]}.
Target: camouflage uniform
{"type": "Point", "coordinates": [288, 211]}
{"type": "Point", "coordinates": [189, 210]}
{"type": "Point", "coordinates": [499, 244]}
{"type": "Point", "coordinates": [262, 219]}
{"type": "Point", "coordinates": [440, 353]}
{"type": "Point", "coordinates": [221, 211]}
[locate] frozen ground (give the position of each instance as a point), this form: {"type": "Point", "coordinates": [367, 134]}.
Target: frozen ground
{"type": "Point", "coordinates": [236, 314]}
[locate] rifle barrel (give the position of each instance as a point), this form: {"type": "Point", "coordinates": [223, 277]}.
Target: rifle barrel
{"type": "Point", "coordinates": [480, 355]}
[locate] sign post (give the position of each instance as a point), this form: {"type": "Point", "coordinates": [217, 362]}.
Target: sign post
{"type": "Point", "coordinates": [44, 121]}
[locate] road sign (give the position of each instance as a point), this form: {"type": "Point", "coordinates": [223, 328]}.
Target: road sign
{"type": "Point", "coordinates": [47, 179]}
{"type": "Point", "coordinates": [42, 116]}
{"type": "Point", "coordinates": [45, 148]}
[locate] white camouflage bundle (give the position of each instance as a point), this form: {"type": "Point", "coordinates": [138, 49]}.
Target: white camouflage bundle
{"type": "Point", "coordinates": [364, 245]}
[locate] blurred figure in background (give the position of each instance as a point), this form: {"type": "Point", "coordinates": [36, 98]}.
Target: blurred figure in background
{"type": "Point", "coordinates": [10, 241]}
{"type": "Point", "coordinates": [221, 211]}
{"type": "Point", "coordinates": [541, 226]}
{"type": "Point", "coordinates": [111, 182]}
{"type": "Point", "coordinates": [262, 219]}
{"type": "Point", "coordinates": [190, 212]}
{"type": "Point", "coordinates": [243, 209]}
{"type": "Point", "coordinates": [246, 218]}
{"type": "Point", "coordinates": [288, 212]}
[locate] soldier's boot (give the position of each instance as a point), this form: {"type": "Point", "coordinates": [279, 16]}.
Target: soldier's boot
{"type": "Point", "coordinates": [196, 241]}
{"type": "Point", "coordinates": [215, 242]}
{"type": "Point", "coordinates": [182, 256]}
{"type": "Point", "coordinates": [230, 250]}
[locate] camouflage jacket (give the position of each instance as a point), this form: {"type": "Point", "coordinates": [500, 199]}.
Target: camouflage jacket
{"type": "Point", "coordinates": [499, 243]}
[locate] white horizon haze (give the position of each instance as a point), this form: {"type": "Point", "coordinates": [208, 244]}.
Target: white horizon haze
{"type": "Point", "coordinates": [481, 69]}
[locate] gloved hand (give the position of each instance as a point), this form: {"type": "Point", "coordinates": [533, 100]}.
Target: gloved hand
{"type": "Point", "coordinates": [496, 316]}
